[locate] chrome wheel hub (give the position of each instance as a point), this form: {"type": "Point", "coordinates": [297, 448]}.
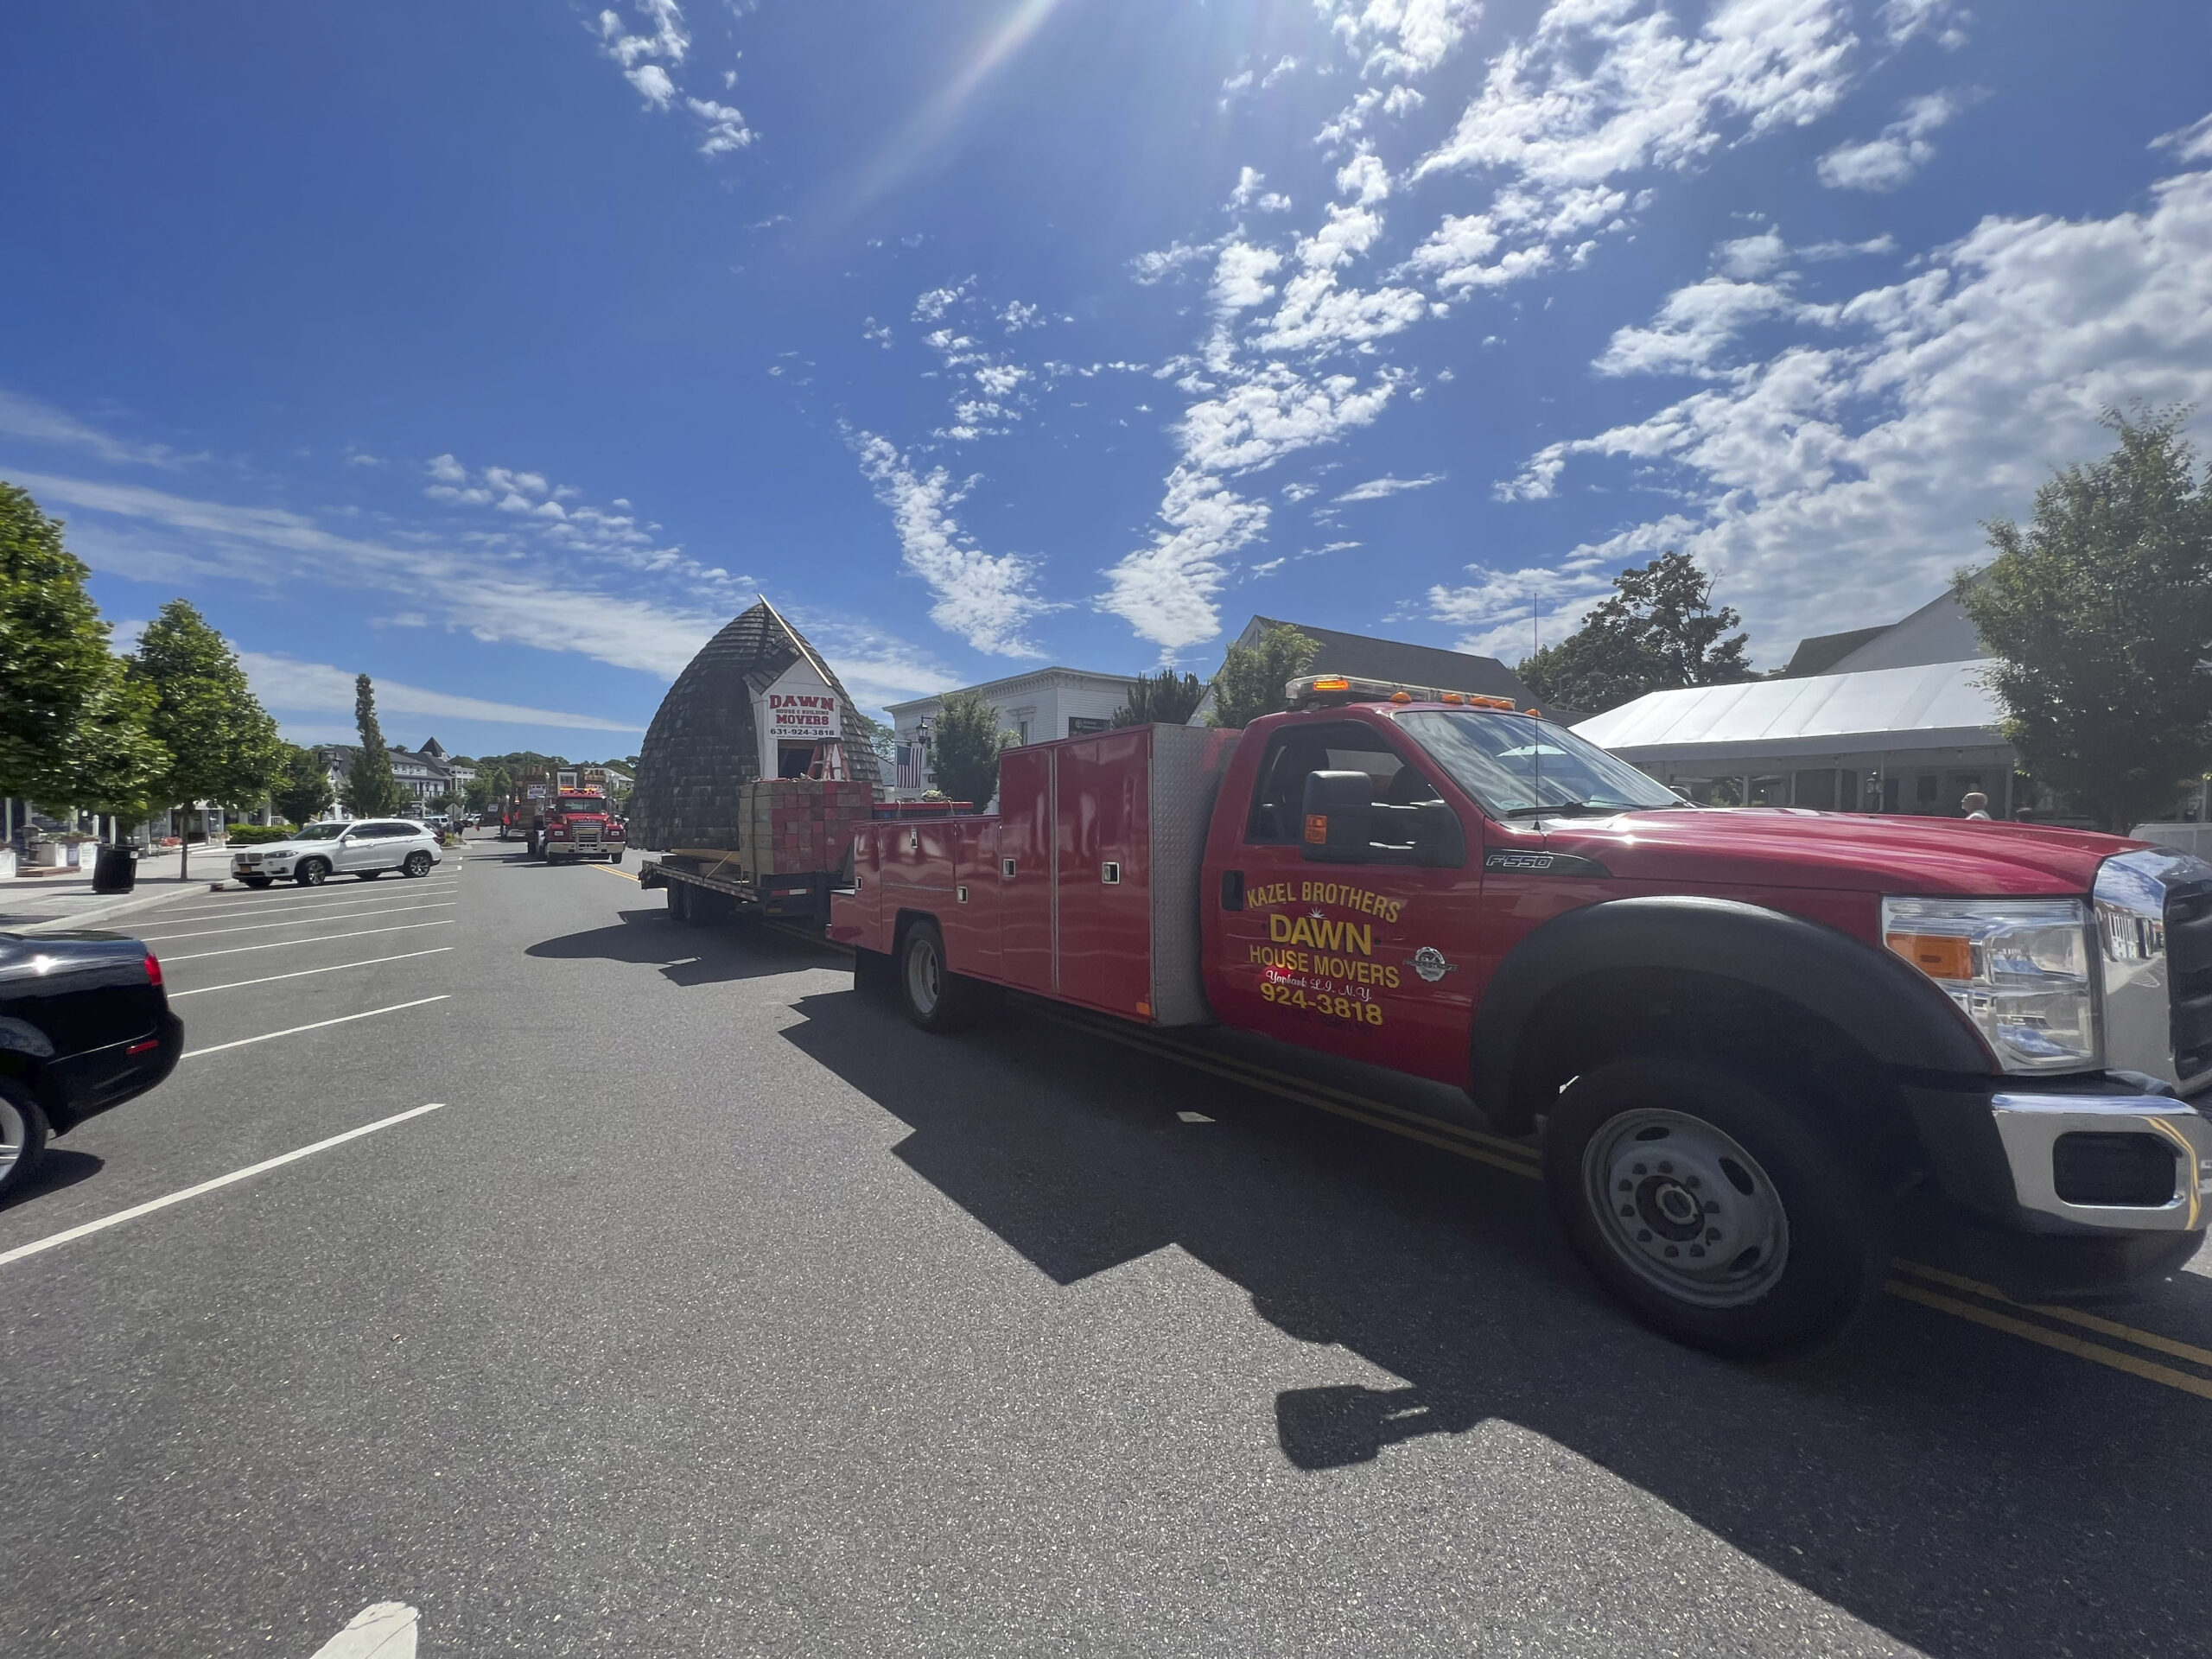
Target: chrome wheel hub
{"type": "Point", "coordinates": [1686, 1207]}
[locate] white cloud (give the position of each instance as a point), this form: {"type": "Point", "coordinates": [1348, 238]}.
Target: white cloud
{"type": "Point", "coordinates": [726, 127]}
{"type": "Point", "coordinates": [447, 470]}
{"type": "Point", "coordinates": [878, 332]}
{"type": "Point", "coordinates": [491, 597]}
{"type": "Point", "coordinates": [1753, 256]}
{"type": "Point", "coordinates": [1399, 37]}
{"type": "Point", "coordinates": [290, 686]}
{"type": "Point", "coordinates": [1902, 20]}
{"type": "Point", "coordinates": [1609, 88]}
{"type": "Point", "coordinates": [1249, 194]}
{"type": "Point", "coordinates": [1017, 316]}
{"type": "Point", "coordinates": [1694, 326]}
{"type": "Point", "coordinates": [652, 83]}
{"type": "Point", "coordinates": [2190, 143]}
{"type": "Point", "coordinates": [1889, 161]}
{"type": "Point", "coordinates": [1377, 488]}
{"type": "Point", "coordinates": [1240, 276]}
{"type": "Point", "coordinates": [26, 417]}
{"type": "Point", "coordinates": [1162, 263]}
{"type": "Point", "coordinates": [1933, 404]}
{"type": "Point", "coordinates": [987, 600]}
{"type": "Point", "coordinates": [932, 305]}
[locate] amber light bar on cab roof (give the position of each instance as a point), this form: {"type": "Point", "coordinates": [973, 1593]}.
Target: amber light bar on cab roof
{"type": "Point", "coordinates": [1320, 691]}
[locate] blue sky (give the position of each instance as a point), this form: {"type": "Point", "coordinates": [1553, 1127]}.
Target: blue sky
{"type": "Point", "coordinates": [505, 352]}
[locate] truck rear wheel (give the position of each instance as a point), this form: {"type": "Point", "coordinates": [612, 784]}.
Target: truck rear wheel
{"type": "Point", "coordinates": [1712, 1204]}
{"type": "Point", "coordinates": [937, 999]}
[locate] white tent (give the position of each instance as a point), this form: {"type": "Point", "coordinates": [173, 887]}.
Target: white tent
{"type": "Point", "coordinates": [1934, 706]}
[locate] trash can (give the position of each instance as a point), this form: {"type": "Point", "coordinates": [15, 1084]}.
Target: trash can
{"type": "Point", "coordinates": [116, 870]}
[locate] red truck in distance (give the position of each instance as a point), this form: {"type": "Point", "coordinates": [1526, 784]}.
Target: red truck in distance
{"type": "Point", "coordinates": [580, 824]}
{"type": "Point", "coordinates": [1744, 1034]}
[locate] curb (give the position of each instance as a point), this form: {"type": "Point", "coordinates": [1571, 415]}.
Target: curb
{"type": "Point", "coordinates": [96, 914]}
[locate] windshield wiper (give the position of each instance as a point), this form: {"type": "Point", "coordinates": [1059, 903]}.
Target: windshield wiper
{"type": "Point", "coordinates": [1565, 810]}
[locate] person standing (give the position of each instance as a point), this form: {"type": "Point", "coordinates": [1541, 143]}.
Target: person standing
{"type": "Point", "coordinates": [1975, 805]}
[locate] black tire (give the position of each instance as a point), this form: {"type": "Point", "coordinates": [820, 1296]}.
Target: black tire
{"type": "Point", "coordinates": [366, 875]}
{"type": "Point", "coordinates": [679, 901]}
{"type": "Point", "coordinates": [615, 857]}
{"type": "Point", "coordinates": [23, 1135]}
{"type": "Point", "coordinates": [1803, 1234]}
{"type": "Point", "coordinates": [257, 882]}
{"type": "Point", "coordinates": [935, 997]}
{"type": "Point", "coordinates": [417, 864]}
{"type": "Point", "coordinates": [313, 874]}
{"type": "Point", "coordinates": [530, 845]}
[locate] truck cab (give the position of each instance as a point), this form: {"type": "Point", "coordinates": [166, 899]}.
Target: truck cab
{"type": "Point", "coordinates": [1742, 1033]}
{"type": "Point", "coordinates": [580, 823]}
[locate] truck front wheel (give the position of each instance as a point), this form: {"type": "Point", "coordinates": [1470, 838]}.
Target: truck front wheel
{"type": "Point", "coordinates": [1711, 1203]}
{"type": "Point", "coordinates": [937, 999]}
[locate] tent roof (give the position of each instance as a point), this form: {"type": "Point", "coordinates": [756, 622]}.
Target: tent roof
{"type": "Point", "coordinates": [1931, 706]}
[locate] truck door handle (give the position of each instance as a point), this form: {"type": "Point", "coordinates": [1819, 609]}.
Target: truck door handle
{"type": "Point", "coordinates": [1232, 889]}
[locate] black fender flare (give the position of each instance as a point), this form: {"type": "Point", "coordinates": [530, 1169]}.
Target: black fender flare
{"type": "Point", "coordinates": [1892, 1011]}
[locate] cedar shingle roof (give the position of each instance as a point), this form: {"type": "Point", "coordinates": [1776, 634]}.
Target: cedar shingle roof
{"type": "Point", "coordinates": [703, 743]}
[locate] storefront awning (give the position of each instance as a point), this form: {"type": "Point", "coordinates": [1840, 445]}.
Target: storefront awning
{"type": "Point", "coordinates": [1883, 710]}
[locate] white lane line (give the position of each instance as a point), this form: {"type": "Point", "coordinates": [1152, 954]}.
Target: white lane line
{"type": "Point", "coordinates": [270, 979]}
{"type": "Point", "coordinates": [241, 906]}
{"type": "Point", "coordinates": [383, 1629]}
{"type": "Point", "coordinates": [152, 1205]}
{"type": "Point", "coordinates": [294, 1031]}
{"type": "Point", "coordinates": [320, 938]}
{"type": "Point", "coordinates": [304, 921]}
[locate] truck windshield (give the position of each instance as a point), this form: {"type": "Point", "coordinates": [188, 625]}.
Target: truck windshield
{"type": "Point", "coordinates": [583, 806]}
{"type": "Point", "coordinates": [1510, 764]}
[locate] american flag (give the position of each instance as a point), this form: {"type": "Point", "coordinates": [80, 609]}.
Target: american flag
{"type": "Point", "coordinates": [910, 765]}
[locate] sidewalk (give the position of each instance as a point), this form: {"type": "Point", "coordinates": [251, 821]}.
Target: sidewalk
{"type": "Point", "coordinates": [45, 904]}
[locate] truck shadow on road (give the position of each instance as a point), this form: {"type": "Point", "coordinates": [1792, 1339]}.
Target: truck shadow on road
{"type": "Point", "coordinates": [1966, 1493]}
{"type": "Point", "coordinates": [686, 956]}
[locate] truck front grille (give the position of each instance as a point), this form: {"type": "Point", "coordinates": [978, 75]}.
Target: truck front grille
{"type": "Point", "coordinates": [2189, 968]}
{"type": "Point", "coordinates": [2095, 1167]}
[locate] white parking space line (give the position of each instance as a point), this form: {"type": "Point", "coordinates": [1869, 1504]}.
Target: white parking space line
{"type": "Point", "coordinates": [320, 938]}
{"type": "Point", "coordinates": [152, 1205]}
{"type": "Point", "coordinates": [303, 921]}
{"type": "Point", "coordinates": [270, 979]}
{"type": "Point", "coordinates": [327, 900]}
{"type": "Point", "coordinates": [384, 1629]}
{"type": "Point", "coordinates": [294, 1031]}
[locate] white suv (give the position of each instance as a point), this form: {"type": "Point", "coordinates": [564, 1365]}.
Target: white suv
{"type": "Point", "coordinates": [320, 851]}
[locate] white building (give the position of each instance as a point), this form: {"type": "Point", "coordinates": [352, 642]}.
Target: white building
{"type": "Point", "coordinates": [1036, 707]}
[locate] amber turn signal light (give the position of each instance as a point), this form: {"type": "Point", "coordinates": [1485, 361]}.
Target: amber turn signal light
{"type": "Point", "coordinates": [1939, 956]}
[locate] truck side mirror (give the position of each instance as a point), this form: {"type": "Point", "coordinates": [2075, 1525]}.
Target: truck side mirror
{"type": "Point", "coordinates": [1338, 813]}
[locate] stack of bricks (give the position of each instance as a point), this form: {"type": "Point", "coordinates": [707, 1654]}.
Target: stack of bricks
{"type": "Point", "coordinates": [793, 826]}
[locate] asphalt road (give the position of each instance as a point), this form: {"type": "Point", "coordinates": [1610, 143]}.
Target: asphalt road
{"type": "Point", "coordinates": [715, 1311]}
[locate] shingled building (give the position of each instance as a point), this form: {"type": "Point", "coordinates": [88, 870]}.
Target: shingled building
{"type": "Point", "coordinates": [755, 703]}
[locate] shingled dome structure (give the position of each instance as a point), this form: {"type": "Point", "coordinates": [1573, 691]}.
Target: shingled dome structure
{"type": "Point", "coordinates": [754, 702]}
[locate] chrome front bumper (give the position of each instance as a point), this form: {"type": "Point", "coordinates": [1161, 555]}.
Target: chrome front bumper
{"type": "Point", "coordinates": [2032, 1126]}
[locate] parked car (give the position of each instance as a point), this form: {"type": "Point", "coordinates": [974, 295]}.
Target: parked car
{"type": "Point", "coordinates": [364, 849]}
{"type": "Point", "coordinates": [84, 1025]}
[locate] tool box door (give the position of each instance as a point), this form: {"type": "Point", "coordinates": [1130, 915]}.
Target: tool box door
{"type": "Point", "coordinates": [1025, 845]}
{"type": "Point", "coordinates": [1105, 907]}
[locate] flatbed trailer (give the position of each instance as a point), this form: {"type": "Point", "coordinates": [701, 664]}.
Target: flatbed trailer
{"type": "Point", "coordinates": [702, 890]}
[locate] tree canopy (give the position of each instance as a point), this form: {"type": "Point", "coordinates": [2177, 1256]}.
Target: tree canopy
{"type": "Point", "coordinates": [303, 792]}
{"type": "Point", "coordinates": [371, 789]}
{"type": "Point", "coordinates": [1656, 632]}
{"type": "Point", "coordinates": [69, 730]}
{"type": "Point", "coordinates": [2099, 615]}
{"type": "Point", "coordinates": [221, 743]}
{"type": "Point", "coordinates": [966, 741]}
{"type": "Point", "coordinates": [1252, 677]}
{"type": "Point", "coordinates": [1165, 698]}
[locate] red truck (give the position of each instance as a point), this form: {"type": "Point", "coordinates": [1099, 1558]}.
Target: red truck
{"type": "Point", "coordinates": [579, 823]}
{"type": "Point", "coordinates": [1744, 1036]}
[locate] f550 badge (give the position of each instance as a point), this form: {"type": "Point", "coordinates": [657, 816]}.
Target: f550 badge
{"type": "Point", "coordinates": [1513, 863]}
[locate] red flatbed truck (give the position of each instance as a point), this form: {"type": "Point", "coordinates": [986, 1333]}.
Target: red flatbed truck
{"type": "Point", "coordinates": [1744, 1034]}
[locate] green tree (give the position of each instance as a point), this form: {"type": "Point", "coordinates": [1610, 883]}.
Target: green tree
{"type": "Point", "coordinates": [1165, 698]}
{"type": "Point", "coordinates": [111, 761]}
{"type": "Point", "coordinates": [54, 662]}
{"type": "Point", "coordinates": [303, 793]}
{"type": "Point", "coordinates": [966, 745]}
{"type": "Point", "coordinates": [1252, 677]}
{"type": "Point", "coordinates": [371, 791]}
{"type": "Point", "coordinates": [2099, 614]}
{"type": "Point", "coordinates": [1656, 632]}
{"type": "Point", "coordinates": [478, 793]}
{"type": "Point", "coordinates": [222, 745]}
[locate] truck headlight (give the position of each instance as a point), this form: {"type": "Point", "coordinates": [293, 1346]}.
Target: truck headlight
{"type": "Point", "coordinates": [2019, 968]}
